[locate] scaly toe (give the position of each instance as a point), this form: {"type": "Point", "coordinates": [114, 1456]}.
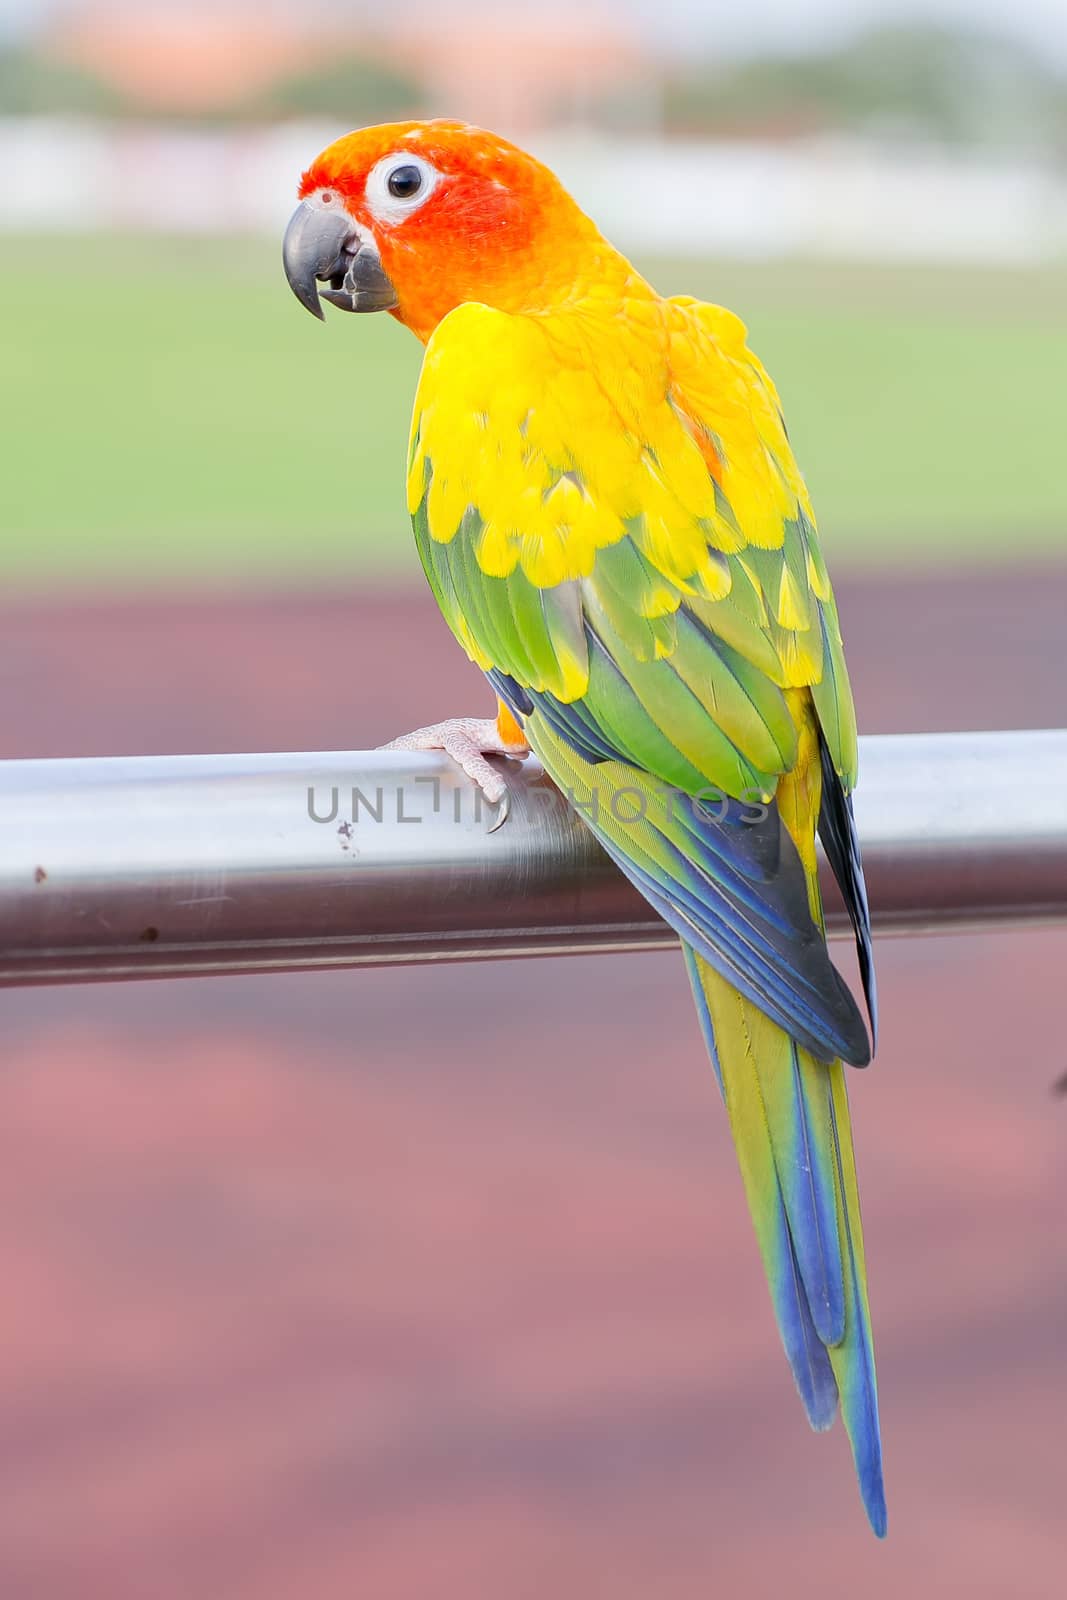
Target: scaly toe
{"type": "Point", "coordinates": [468, 740]}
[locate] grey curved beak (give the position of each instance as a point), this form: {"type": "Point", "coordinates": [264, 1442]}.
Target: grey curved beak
{"type": "Point", "coordinates": [323, 246]}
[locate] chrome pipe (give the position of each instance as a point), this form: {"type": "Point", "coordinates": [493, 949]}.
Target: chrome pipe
{"type": "Point", "coordinates": [181, 865]}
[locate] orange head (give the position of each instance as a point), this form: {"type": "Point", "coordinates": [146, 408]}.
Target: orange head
{"type": "Point", "coordinates": [419, 217]}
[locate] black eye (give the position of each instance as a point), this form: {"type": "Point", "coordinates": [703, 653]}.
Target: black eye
{"type": "Point", "coordinates": [404, 182]}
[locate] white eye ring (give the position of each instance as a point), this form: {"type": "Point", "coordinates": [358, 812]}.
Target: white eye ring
{"type": "Point", "coordinates": [383, 205]}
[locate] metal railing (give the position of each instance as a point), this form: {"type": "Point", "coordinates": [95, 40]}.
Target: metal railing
{"type": "Point", "coordinates": [179, 865]}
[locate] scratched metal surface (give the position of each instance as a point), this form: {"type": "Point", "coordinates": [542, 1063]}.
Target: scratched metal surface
{"type": "Point", "coordinates": [154, 866]}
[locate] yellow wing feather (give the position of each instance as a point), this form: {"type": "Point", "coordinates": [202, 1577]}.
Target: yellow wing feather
{"type": "Point", "coordinates": [567, 434]}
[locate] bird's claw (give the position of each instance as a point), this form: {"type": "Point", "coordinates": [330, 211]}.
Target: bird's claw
{"type": "Point", "coordinates": [504, 805]}
{"type": "Point", "coordinates": [469, 741]}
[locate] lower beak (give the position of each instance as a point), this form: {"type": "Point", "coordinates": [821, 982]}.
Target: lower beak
{"type": "Point", "coordinates": [323, 246]}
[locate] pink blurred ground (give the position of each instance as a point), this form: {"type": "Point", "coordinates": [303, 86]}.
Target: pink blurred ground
{"type": "Point", "coordinates": [439, 1284]}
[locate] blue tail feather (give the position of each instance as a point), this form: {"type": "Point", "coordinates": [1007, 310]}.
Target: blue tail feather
{"type": "Point", "coordinates": [803, 1345]}
{"type": "Point", "coordinates": [811, 1202]}
{"type": "Point", "coordinates": [803, 1208]}
{"type": "Point", "coordinates": [859, 1397]}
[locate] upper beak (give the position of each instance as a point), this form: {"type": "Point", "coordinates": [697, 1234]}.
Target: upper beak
{"type": "Point", "coordinates": [321, 245]}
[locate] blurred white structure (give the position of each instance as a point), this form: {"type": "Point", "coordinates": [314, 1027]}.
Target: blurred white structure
{"type": "Point", "coordinates": [827, 197]}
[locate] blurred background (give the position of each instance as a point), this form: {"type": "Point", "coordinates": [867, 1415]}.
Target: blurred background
{"type": "Point", "coordinates": [441, 1283]}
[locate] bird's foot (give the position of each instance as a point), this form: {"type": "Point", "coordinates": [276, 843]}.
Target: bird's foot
{"type": "Point", "coordinates": [469, 741]}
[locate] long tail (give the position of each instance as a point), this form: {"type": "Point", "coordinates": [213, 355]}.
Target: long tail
{"type": "Point", "coordinates": [790, 1121]}
{"type": "Point", "coordinates": [727, 886]}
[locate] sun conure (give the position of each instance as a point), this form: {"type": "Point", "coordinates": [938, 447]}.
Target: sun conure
{"type": "Point", "coordinates": [609, 513]}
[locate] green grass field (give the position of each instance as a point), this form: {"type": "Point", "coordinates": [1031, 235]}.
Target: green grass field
{"type": "Point", "coordinates": [170, 413]}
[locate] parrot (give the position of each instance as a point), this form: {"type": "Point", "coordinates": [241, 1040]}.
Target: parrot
{"type": "Point", "coordinates": [608, 511]}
